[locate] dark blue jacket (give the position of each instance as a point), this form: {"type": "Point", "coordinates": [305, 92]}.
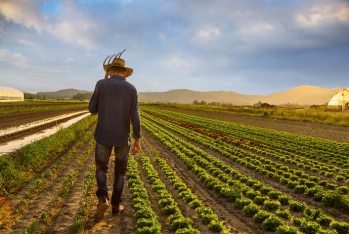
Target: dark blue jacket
{"type": "Point", "coordinates": [116, 102]}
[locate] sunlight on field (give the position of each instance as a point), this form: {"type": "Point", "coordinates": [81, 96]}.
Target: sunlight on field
{"type": "Point", "coordinates": [5, 209]}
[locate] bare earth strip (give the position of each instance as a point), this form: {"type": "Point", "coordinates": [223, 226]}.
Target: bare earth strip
{"type": "Point", "coordinates": [124, 222]}
{"type": "Point", "coordinates": [16, 120]}
{"type": "Point", "coordinates": [41, 202]}
{"type": "Point", "coordinates": [70, 208]}
{"type": "Point", "coordinates": [35, 129]}
{"type": "Point", "coordinates": [331, 132]}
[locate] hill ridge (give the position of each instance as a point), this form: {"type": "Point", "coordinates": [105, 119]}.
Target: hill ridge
{"type": "Point", "coordinates": [302, 95]}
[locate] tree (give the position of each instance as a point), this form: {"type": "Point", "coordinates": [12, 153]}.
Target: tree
{"type": "Point", "coordinates": [83, 96]}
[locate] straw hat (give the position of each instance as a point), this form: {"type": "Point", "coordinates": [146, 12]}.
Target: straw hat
{"type": "Point", "coordinates": [116, 62]}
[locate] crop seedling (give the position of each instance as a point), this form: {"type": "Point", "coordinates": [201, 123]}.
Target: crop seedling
{"type": "Point", "coordinates": [284, 214]}
{"type": "Point", "coordinates": [250, 210]}
{"type": "Point", "coordinates": [284, 229]}
{"type": "Point", "coordinates": [271, 223]}
{"type": "Point", "coordinates": [31, 229]}
{"type": "Point", "coordinates": [261, 216]}
{"type": "Point", "coordinates": [76, 226]}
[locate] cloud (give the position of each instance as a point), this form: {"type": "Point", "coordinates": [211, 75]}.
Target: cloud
{"type": "Point", "coordinates": [75, 32]}
{"type": "Point", "coordinates": [209, 32]}
{"type": "Point", "coordinates": [26, 42]}
{"type": "Point", "coordinates": [69, 60]}
{"type": "Point", "coordinates": [71, 25]}
{"type": "Point", "coordinates": [23, 12]}
{"type": "Point", "coordinates": [16, 59]}
{"type": "Point", "coordinates": [256, 29]}
{"type": "Point", "coordinates": [325, 13]}
{"type": "Point", "coordinates": [171, 44]}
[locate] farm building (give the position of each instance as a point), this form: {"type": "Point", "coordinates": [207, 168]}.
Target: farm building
{"type": "Point", "coordinates": [8, 94]}
{"type": "Point", "coordinates": [340, 101]}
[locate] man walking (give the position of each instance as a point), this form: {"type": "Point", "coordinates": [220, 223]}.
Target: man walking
{"type": "Point", "coordinates": [116, 102]}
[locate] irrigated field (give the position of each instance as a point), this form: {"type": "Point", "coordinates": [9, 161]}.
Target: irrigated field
{"type": "Point", "coordinates": [194, 175]}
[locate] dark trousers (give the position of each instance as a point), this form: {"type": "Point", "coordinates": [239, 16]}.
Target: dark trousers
{"type": "Point", "coordinates": [102, 155]}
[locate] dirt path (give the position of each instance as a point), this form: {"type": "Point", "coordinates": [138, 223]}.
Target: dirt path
{"type": "Point", "coordinates": [59, 218]}
{"type": "Point", "coordinates": [42, 205]}
{"type": "Point", "coordinates": [331, 132]}
{"type": "Point", "coordinates": [124, 222]}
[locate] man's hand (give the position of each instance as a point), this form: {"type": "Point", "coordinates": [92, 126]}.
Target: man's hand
{"type": "Point", "coordinates": [136, 146]}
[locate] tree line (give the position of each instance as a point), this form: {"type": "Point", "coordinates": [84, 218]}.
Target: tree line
{"type": "Point", "coordinates": [78, 96]}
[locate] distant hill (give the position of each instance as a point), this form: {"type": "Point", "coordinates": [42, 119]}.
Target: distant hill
{"type": "Point", "coordinates": [64, 93]}
{"type": "Point", "coordinates": [303, 95]}
{"type": "Point", "coordinates": [188, 96]}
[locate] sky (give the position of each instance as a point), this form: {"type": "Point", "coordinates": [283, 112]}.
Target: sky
{"type": "Point", "coordinates": [250, 46]}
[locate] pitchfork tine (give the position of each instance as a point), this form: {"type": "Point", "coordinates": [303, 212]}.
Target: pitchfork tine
{"type": "Point", "coordinates": [105, 60]}
{"type": "Point", "coordinates": [110, 59]}
{"type": "Point", "coordinates": [115, 57]}
{"type": "Point", "coordinates": [121, 53]}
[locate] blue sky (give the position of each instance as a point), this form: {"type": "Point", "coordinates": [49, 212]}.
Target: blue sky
{"type": "Point", "coordinates": [250, 47]}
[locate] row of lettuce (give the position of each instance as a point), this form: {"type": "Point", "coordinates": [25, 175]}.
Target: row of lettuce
{"type": "Point", "coordinates": [147, 219]}
{"type": "Point", "coordinates": [275, 210]}
{"type": "Point", "coordinates": [286, 143]}
{"type": "Point", "coordinates": [321, 190]}
{"type": "Point", "coordinates": [274, 164]}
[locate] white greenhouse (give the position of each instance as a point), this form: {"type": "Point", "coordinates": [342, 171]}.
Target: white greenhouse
{"type": "Point", "coordinates": [8, 94]}
{"type": "Point", "coordinates": [340, 101]}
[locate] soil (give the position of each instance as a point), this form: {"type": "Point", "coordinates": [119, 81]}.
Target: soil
{"type": "Point", "coordinates": [16, 120]}
{"type": "Point", "coordinates": [35, 129]}
{"type": "Point", "coordinates": [330, 132]}
{"type": "Point", "coordinates": [63, 211]}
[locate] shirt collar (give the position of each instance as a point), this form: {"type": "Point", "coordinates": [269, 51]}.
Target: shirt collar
{"type": "Point", "coordinates": [118, 77]}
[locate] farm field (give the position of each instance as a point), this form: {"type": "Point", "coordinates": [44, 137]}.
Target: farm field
{"type": "Point", "coordinates": [326, 131]}
{"type": "Point", "coordinates": [194, 175]}
{"type": "Point", "coordinates": [18, 113]}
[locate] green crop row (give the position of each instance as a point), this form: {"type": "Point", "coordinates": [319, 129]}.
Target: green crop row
{"type": "Point", "coordinates": [311, 147]}
{"type": "Point", "coordinates": [217, 168]}
{"type": "Point", "coordinates": [311, 186]}
{"type": "Point", "coordinates": [290, 113]}
{"type": "Point", "coordinates": [307, 185]}
{"type": "Point", "coordinates": [290, 177]}
{"type": "Point", "coordinates": [266, 148]}
{"type": "Point", "coordinates": [15, 170]}
{"type": "Point", "coordinates": [206, 213]}
{"type": "Point", "coordinates": [338, 198]}
{"type": "Point", "coordinates": [147, 219]}
{"type": "Point", "coordinates": [169, 206]}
